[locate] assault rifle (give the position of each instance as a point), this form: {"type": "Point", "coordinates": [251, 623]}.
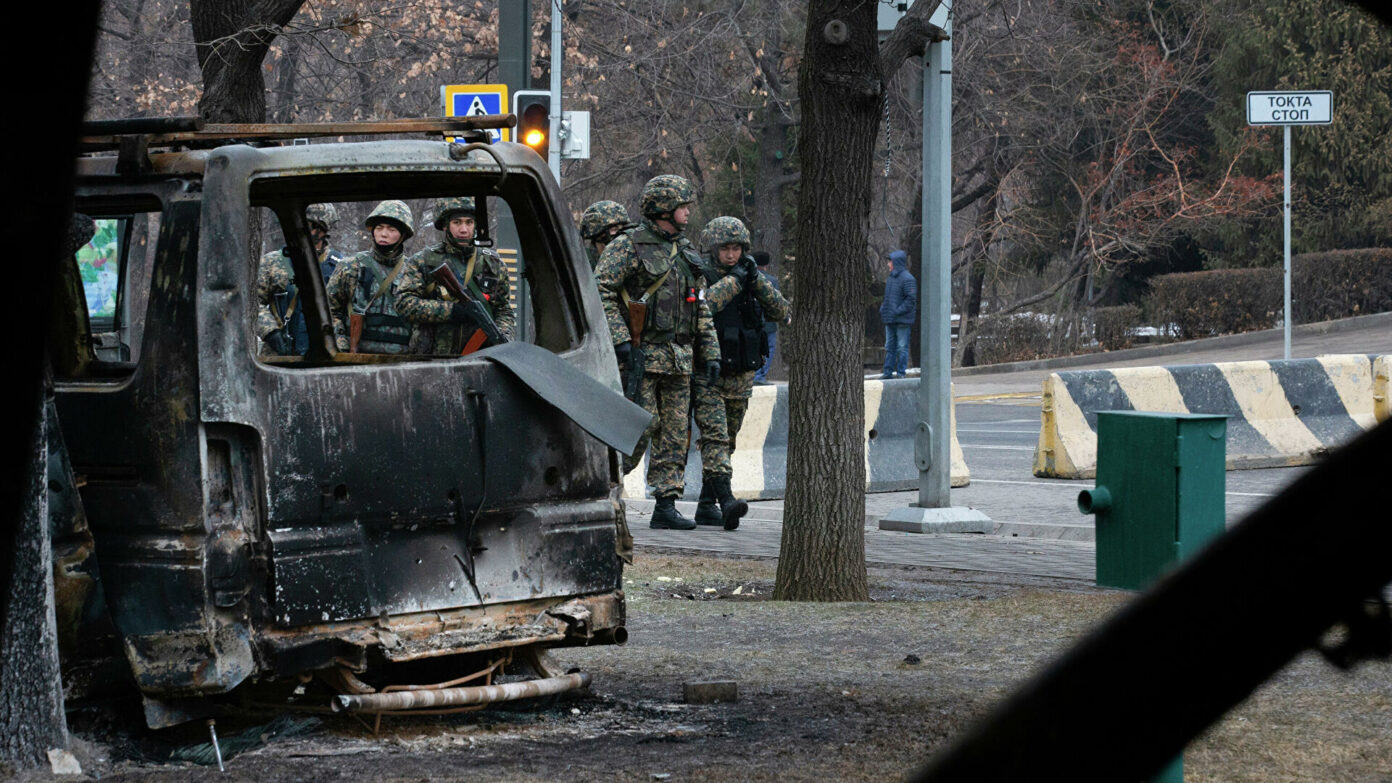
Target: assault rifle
{"type": "Point", "coordinates": [634, 368]}
{"type": "Point", "coordinates": [486, 332]}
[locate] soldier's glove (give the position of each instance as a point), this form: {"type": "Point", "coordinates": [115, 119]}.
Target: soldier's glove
{"type": "Point", "coordinates": [749, 272]}
{"type": "Point", "coordinates": [712, 372]}
{"type": "Point", "coordinates": [459, 314]}
{"type": "Point", "coordinates": [280, 343]}
{"type": "Point", "coordinates": [621, 351]}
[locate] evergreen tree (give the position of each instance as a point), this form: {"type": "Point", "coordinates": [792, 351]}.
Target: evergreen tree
{"type": "Point", "coordinates": [1341, 173]}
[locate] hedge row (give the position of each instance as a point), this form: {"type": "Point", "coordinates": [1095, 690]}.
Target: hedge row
{"type": "Point", "coordinates": [1334, 284]}
{"type": "Point", "coordinates": [1341, 283]}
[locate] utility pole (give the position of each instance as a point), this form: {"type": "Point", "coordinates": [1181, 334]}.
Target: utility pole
{"type": "Point", "coordinates": [514, 70]}
{"type": "Point", "coordinates": [934, 512]}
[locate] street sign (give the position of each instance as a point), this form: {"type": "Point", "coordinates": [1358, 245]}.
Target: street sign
{"type": "Point", "coordinates": [468, 100]}
{"type": "Point", "coordinates": [1309, 107]}
{"type": "Point", "coordinates": [1287, 108]}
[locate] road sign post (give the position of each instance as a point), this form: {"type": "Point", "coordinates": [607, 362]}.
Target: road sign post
{"type": "Point", "coordinates": [1287, 108]}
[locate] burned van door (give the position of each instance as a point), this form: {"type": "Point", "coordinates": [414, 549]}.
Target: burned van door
{"type": "Point", "coordinates": [409, 485]}
{"type": "Point", "coordinates": [137, 443]}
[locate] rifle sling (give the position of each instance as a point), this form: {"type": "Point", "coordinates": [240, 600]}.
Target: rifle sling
{"type": "Point", "coordinates": [386, 283]}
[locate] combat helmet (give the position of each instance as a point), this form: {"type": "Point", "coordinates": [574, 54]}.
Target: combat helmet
{"type": "Point", "coordinates": [724, 230]}
{"type": "Point", "coordinates": [600, 217]}
{"type": "Point", "coordinates": [664, 193]}
{"type": "Point", "coordinates": [323, 214]}
{"type": "Point", "coordinates": [396, 213]}
{"type": "Point", "coordinates": [447, 208]}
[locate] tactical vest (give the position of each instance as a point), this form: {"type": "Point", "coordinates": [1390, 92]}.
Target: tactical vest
{"type": "Point", "coordinates": [740, 327]}
{"type": "Point", "coordinates": [673, 308]}
{"type": "Point", "coordinates": [383, 330]}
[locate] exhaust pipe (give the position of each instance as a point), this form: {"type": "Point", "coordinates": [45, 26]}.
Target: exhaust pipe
{"type": "Point", "coordinates": [459, 697]}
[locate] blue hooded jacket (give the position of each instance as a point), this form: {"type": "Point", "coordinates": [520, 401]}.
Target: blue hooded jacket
{"type": "Point", "coordinates": [900, 304]}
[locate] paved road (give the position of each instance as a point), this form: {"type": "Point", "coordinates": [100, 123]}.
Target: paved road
{"type": "Point", "coordinates": [1039, 530]}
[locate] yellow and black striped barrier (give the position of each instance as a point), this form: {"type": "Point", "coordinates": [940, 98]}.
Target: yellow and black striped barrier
{"type": "Point", "coordinates": [1281, 412]}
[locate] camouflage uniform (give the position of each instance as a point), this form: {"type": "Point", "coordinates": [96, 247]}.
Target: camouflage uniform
{"type": "Point", "coordinates": [353, 289]}
{"type": "Point", "coordinates": [728, 399]}
{"type": "Point", "coordinates": [276, 294]}
{"type": "Point", "coordinates": [678, 330]}
{"type": "Point", "coordinates": [429, 306]}
{"type": "Point", "coordinates": [595, 223]}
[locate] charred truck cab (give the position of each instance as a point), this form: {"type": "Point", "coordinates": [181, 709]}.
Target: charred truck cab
{"type": "Point", "coordinates": [364, 522]}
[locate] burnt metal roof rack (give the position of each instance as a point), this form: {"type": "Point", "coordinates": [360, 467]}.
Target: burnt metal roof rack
{"type": "Point", "coordinates": [132, 138]}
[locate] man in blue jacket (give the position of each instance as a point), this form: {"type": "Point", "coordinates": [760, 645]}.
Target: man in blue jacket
{"type": "Point", "coordinates": [898, 312]}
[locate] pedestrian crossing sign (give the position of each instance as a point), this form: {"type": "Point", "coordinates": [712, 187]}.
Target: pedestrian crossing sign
{"type": "Point", "coordinates": [467, 100]}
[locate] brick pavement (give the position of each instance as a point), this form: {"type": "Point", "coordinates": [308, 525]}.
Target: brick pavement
{"type": "Point", "coordinates": [760, 533]}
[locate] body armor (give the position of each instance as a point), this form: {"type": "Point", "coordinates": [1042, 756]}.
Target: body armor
{"type": "Point", "coordinates": [383, 330]}
{"type": "Point", "coordinates": [740, 328]}
{"type": "Point", "coordinates": [672, 308]}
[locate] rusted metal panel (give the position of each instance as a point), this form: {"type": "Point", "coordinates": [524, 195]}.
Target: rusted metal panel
{"type": "Point", "coordinates": [432, 634]}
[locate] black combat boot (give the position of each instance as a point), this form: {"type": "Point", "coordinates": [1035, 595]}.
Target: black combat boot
{"type": "Point", "coordinates": [731, 507]}
{"type": "Point", "coordinates": [707, 512]}
{"type": "Point", "coordinates": [666, 517]}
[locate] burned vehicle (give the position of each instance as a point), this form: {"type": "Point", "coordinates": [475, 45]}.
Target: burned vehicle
{"type": "Point", "coordinates": [365, 524]}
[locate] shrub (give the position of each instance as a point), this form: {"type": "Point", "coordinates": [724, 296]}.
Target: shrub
{"type": "Point", "coordinates": [1218, 301]}
{"type": "Point", "coordinates": [1112, 325]}
{"type": "Point", "coordinates": [1341, 283]}
{"type": "Point", "coordinates": [1013, 338]}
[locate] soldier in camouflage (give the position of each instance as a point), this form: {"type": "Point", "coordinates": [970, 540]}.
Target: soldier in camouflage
{"type": "Point", "coordinates": [600, 223]}
{"type": "Point", "coordinates": [280, 320]}
{"type": "Point", "coordinates": [656, 264]}
{"type": "Point", "coordinates": [362, 285]}
{"type": "Point", "coordinates": [444, 325]}
{"type": "Point", "coordinates": [739, 315]}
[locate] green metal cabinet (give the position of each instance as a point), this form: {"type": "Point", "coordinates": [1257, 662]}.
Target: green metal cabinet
{"type": "Point", "coordinates": [1160, 492]}
{"type": "Point", "coordinates": [1159, 498]}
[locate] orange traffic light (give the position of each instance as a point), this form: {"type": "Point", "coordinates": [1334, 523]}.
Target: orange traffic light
{"type": "Point", "coordinates": [533, 110]}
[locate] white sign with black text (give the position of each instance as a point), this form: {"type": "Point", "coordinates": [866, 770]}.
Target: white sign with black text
{"type": "Point", "coordinates": [1309, 107]}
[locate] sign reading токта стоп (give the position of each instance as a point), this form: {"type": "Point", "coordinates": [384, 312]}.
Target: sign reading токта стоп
{"type": "Point", "coordinates": [1309, 107]}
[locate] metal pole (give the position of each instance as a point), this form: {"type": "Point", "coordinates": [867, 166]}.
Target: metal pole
{"type": "Point", "coordinates": [934, 512]}
{"type": "Point", "coordinates": [1287, 331]}
{"type": "Point", "coordinates": [935, 306]}
{"type": "Point", "coordinates": [515, 45]}
{"type": "Point", "coordinates": [554, 152]}
{"type": "Point", "coordinates": [514, 70]}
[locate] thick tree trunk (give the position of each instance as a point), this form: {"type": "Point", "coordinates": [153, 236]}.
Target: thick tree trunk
{"type": "Point", "coordinates": [771, 181]}
{"type": "Point", "coordinates": [822, 556]}
{"type": "Point", "coordinates": [231, 38]}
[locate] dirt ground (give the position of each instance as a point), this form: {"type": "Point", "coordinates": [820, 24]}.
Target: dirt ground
{"type": "Point", "coordinates": [826, 692]}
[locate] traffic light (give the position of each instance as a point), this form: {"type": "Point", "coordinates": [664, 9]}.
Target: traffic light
{"type": "Point", "coordinates": [533, 110]}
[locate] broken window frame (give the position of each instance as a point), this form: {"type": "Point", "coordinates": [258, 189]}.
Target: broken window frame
{"type": "Point", "coordinates": [556, 304]}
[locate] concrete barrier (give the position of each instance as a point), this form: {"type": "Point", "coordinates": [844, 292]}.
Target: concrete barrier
{"type": "Point", "coordinates": [759, 460]}
{"type": "Point", "coordinates": [1281, 412]}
